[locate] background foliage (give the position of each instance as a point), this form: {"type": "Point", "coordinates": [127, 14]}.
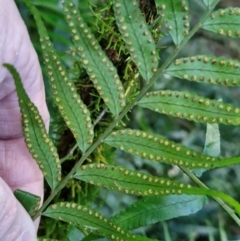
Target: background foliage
{"type": "Point", "coordinates": [211, 223]}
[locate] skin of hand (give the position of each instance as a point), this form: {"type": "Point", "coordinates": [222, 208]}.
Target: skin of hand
{"type": "Point", "coordinates": [18, 170]}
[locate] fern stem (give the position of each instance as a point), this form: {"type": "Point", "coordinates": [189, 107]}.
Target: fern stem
{"type": "Point", "coordinates": [70, 153]}
{"type": "Point", "coordinates": [100, 116]}
{"type": "Point", "coordinates": [127, 108]}
{"type": "Point", "coordinates": [229, 210]}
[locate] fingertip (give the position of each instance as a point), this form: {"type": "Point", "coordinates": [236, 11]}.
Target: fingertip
{"type": "Point", "coordinates": [15, 223]}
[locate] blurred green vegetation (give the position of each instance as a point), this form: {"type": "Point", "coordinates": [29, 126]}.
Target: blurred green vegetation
{"type": "Point", "coordinates": [211, 223]}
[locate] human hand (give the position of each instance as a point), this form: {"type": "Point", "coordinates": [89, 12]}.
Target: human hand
{"type": "Point", "coordinates": [18, 170]}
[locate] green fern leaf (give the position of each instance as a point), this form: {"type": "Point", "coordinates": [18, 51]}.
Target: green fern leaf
{"type": "Point", "coordinates": [136, 36]}
{"type": "Point", "coordinates": [225, 162]}
{"type": "Point", "coordinates": [191, 107]}
{"type": "Point", "coordinates": [208, 3]}
{"type": "Point", "coordinates": [130, 182]}
{"type": "Point", "coordinates": [225, 22]}
{"type": "Point", "coordinates": [91, 237]}
{"type": "Point", "coordinates": [157, 148]}
{"type": "Point", "coordinates": [153, 209]}
{"type": "Point", "coordinates": [90, 220]}
{"type": "Point", "coordinates": [71, 107]}
{"type": "Point", "coordinates": [175, 14]}
{"type": "Point", "coordinates": [29, 201]}
{"type": "Point", "coordinates": [37, 140]}
{"type": "Point", "coordinates": [141, 184]}
{"type": "Point", "coordinates": [99, 68]}
{"type": "Point", "coordinates": [206, 69]}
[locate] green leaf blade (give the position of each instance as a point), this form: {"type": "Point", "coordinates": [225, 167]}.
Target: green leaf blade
{"type": "Point", "coordinates": [91, 237]}
{"type": "Point", "coordinates": [191, 107]}
{"type": "Point", "coordinates": [99, 68]}
{"type": "Point", "coordinates": [74, 112]}
{"type": "Point", "coordinates": [90, 220]}
{"type": "Point", "coordinates": [175, 14]}
{"type": "Point", "coordinates": [159, 149]}
{"type": "Point", "coordinates": [224, 22]}
{"type": "Point", "coordinates": [29, 201]}
{"type": "Point", "coordinates": [153, 209]}
{"type": "Point", "coordinates": [225, 162]}
{"type": "Point", "coordinates": [206, 69]}
{"type": "Point", "coordinates": [137, 37]}
{"type": "Point", "coordinates": [126, 181]}
{"type": "Point", "coordinates": [208, 3]}
{"type": "Point", "coordinates": [141, 184]}
{"type": "Point", "coordinates": [37, 140]}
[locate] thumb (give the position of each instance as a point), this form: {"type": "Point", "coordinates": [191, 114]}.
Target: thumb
{"type": "Point", "coordinates": [15, 223]}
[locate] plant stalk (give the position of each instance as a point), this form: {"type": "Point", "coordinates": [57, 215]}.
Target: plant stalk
{"type": "Point", "coordinates": [229, 210]}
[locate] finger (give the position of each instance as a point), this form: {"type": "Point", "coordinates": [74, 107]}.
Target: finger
{"type": "Point", "coordinates": [16, 49]}
{"type": "Point", "coordinates": [16, 224]}
{"type": "Point", "coordinates": [17, 168]}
